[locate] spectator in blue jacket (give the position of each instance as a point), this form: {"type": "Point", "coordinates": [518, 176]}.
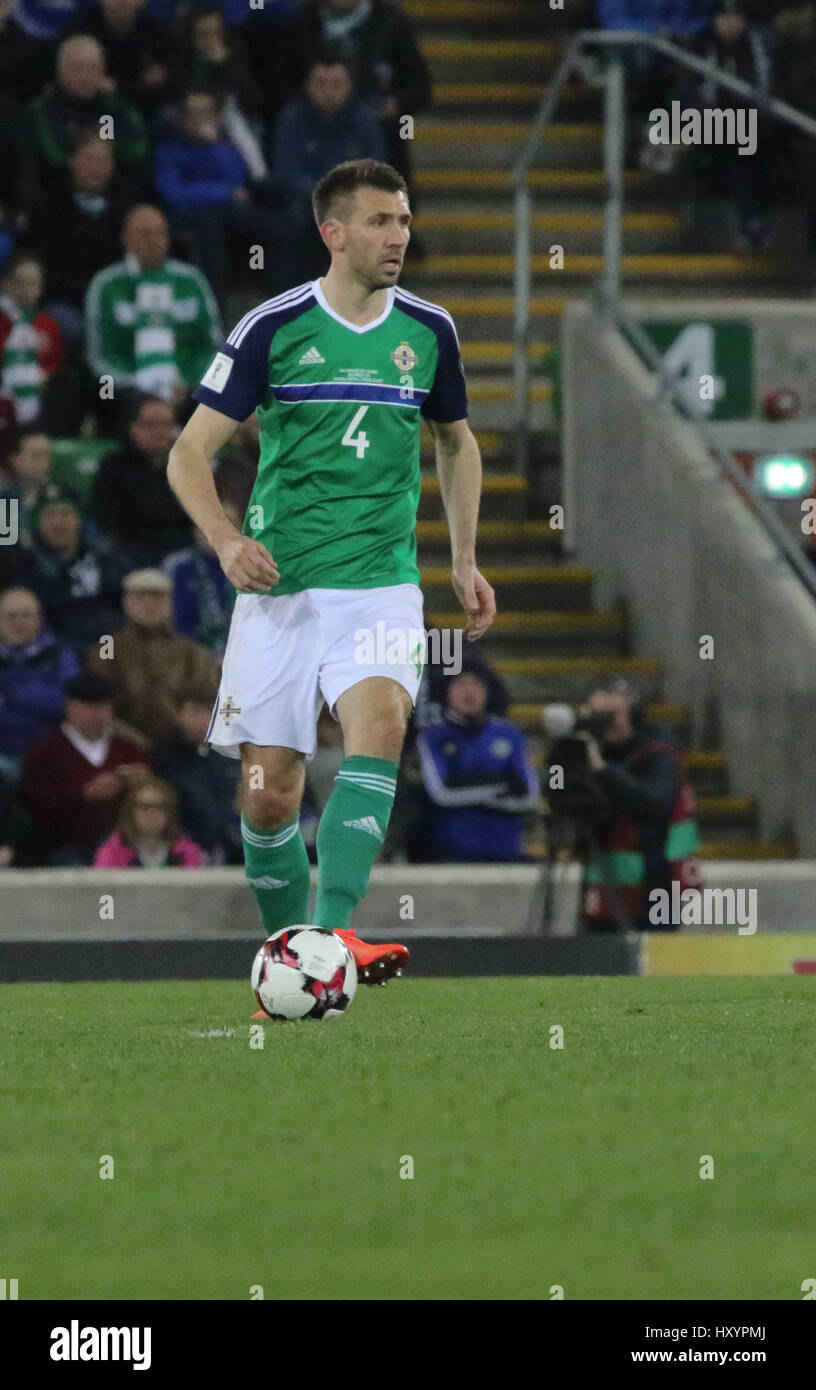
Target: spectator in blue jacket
{"type": "Point", "coordinates": [324, 126]}
{"type": "Point", "coordinates": [199, 168]}
{"type": "Point", "coordinates": [479, 779]}
{"type": "Point", "coordinates": [34, 669]}
{"type": "Point", "coordinates": [203, 597]}
{"type": "Point", "coordinates": [654, 81]}
{"type": "Point", "coordinates": [668, 17]}
{"type": "Point", "coordinates": [204, 183]}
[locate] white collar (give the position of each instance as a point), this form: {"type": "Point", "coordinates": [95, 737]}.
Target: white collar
{"type": "Point", "coordinates": [355, 327]}
{"type": "Point", "coordinates": [94, 750]}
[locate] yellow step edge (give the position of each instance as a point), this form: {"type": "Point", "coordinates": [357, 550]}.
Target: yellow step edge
{"type": "Point", "coordinates": [491, 482]}
{"type": "Point", "coordinates": [577, 665]}
{"type": "Point", "coordinates": [588, 180]}
{"type": "Point", "coordinates": [753, 849]}
{"type": "Point", "coordinates": [664, 263]}
{"type": "Point", "coordinates": [453, 220]}
{"type": "Point", "coordinates": [498, 391]}
{"type": "Point", "coordinates": [487, 50]}
{"type": "Point", "coordinates": [464, 11]}
{"type": "Point", "coordinates": [706, 760]}
{"type": "Point", "coordinates": [487, 93]}
{"type": "Point", "coordinates": [546, 619]}
{"type": "Point", "coordinates": [518, 574]}
{"type": "Point", "coordinates": [500, 352]}
{"type": "Point", "coordinates": [433, 132]}
{"type": "Point", "coordinates": [726, 805]}
{"type": "Point", "coordinates": [494, 531]}
{"type": "Point", "coordinates": [499, 305]}
{"type": "Point", "coordinates": [489, 441]}
{"type": "Point", "coordinates": [660, 712]}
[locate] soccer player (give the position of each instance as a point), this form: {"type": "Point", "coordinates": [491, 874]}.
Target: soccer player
{"type": "Point", "coordinates": [339, 371]}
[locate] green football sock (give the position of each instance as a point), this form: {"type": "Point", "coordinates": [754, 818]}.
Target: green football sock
{"type": "Point", "coordinates": [277, 867]}
{"type": "Point", "coordinates": [351, 834]}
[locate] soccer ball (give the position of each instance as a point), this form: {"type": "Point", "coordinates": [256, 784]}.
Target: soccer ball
{"type": "Point", "coordinates": [304, 973]}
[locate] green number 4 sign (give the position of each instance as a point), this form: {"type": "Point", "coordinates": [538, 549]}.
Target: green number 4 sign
{"type": "Point", "coordinates": [710, 363]}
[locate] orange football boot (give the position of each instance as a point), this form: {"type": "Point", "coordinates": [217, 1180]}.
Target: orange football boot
{"type": "Point", "coordinates": [376, 965]}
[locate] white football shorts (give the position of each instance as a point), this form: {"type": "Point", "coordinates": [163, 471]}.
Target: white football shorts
{"type": "Point", "coordinates": [286, 655]}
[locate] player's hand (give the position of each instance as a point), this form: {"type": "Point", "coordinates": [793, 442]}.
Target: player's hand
{"type": "Point", "coordinates": [247, 564]}
{"type": "Point", "coordinates": [476, 597]}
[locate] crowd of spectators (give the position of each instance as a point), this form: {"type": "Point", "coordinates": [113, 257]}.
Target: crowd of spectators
{"type": "Point", "coordinates": [770, 44]}
{"type": "Point", "coordinates": [145, 145]}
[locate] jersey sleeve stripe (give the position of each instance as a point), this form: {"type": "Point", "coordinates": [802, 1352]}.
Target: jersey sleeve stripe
{"type": "Point", "coordinates": [412, 299]}
{"type": "Point", "coordinates": [270, 306]}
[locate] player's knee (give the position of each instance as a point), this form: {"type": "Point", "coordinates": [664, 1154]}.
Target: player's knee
{"type": "Point", "coordinates": [272, 806]}
{"type": "Point", "coordinates": [385, 735]}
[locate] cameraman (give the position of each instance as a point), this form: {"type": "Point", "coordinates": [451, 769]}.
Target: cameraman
{"type": "Point", "coordinates": [632, 799]}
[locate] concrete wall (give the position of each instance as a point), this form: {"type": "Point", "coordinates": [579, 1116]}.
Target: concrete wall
{"type": "Point", "coordinates": [673, 541]}
{"type": "Point", "coordinates": [478, 901]}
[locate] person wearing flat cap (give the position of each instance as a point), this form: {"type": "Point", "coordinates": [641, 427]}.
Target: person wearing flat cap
{"type": "Point", "coordinates": [153, 665]}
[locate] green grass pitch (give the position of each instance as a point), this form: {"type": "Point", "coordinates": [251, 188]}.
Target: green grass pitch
{"type": "Point", "coordinates": [533, 1167]}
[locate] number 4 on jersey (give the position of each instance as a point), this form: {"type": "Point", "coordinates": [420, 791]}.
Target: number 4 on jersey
{"type": "Point", "coordinates": [360, 441]}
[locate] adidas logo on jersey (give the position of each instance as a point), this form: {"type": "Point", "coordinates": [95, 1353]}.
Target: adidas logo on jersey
{"type": "Point", "coordinates": [311, 356]}
{"type": "Point", "coordinates": [368, 823]}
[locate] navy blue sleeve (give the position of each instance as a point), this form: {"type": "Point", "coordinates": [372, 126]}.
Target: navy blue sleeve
{"type": "Point", "coordinates": [237, 379]}
{"type": "Point", "coordinates": [447, 399]}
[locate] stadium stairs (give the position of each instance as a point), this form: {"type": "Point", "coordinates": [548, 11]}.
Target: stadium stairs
{"type": "Point", "coordinates": [490, 62]}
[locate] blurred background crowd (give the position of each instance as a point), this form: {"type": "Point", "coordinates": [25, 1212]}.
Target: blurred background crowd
{"type": "Point", "coordinates": [118, 248]}
{"type": "Point", "coordinates": [148, 149]}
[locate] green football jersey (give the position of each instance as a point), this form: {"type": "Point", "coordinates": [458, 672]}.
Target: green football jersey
{"type": "Point", "coordinates": [336, 496]}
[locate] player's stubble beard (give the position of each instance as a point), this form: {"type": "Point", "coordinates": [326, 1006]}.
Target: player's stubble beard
{"type": "Point", "coordinates": [376, 277]}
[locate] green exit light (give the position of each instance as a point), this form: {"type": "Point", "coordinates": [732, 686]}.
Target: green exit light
{"type": "Point", "coordinates": [784, 475]}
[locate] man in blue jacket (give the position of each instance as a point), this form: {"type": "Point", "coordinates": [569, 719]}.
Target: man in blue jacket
{"type": "Point", "coordinates": [668, 17]}
{"type": "Point", "coordinates": [479, 779]}
{"type": "Point", "coordinates": [34, 669]}
{"type": "Point", "coordinates": [203, 182]}
{"type": "Point", "coordinates": [323, 127]}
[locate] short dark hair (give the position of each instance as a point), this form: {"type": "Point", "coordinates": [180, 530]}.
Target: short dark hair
{"type": "Point", "coordinates": [332, 58]}
{"type": "Point", "coordinates": [344, 179]}
{"type": "Point", "coordinates": [135, 401]}
{"type": "Point", "coordinates": [91, 689]}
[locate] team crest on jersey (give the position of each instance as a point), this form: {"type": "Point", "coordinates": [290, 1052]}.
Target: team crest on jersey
{"type": "Point", "coordinates": [404, 357]}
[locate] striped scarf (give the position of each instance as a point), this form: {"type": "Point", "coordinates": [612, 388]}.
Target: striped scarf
{"type": "Point", "coordinates": [22, 373]}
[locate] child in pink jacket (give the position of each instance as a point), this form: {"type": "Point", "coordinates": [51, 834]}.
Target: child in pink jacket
{"type": "Point", "coordinates": [148, 835]}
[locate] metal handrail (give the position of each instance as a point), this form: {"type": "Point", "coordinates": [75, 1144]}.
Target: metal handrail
{"type": "Point", "coordinates": [614, 145]}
